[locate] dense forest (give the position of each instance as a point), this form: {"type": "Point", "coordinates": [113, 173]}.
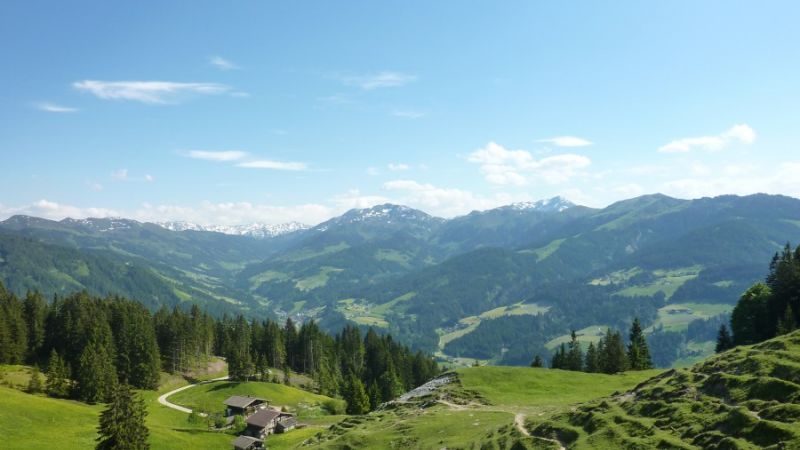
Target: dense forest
{"type": "Point", "coordinates": [89, 345]}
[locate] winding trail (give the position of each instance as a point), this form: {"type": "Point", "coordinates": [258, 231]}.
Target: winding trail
{"type": "Point", "coordinates": [163, 398]}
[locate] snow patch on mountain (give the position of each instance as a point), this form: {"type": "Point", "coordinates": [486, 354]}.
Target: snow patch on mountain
{"type": "Point", "coordinates": [255, 230]}
{"type": "Point", "coordinates": [555, 204]}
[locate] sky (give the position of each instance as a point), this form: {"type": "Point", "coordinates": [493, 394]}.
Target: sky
{"type": "Point", "coordinates": [240, 112]}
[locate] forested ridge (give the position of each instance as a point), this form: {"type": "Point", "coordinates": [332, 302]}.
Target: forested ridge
{"type": "Point", "coordinates": [88, 345]}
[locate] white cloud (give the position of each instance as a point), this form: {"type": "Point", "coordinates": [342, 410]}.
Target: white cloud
{"type": "Point", "coordinates": [742, 133]}
{"type": "Point", "coordinates": [149, 178]}
{"type": "Point", "coordinates": [55, 108]}
{"type": "Point", "coordinates": [738, 179]}
{"type": "Point", "coordinates": [395, 167]}
{"type": "Point", "coordinates": [518, 167]}
{"type": "Point", "coordinates": [445, 202]}
{"type": "Point", "coordinates": [95, 186]}
{"type": "Point", "coordinates": [120, 174]}
{"type": "Point", "coordinates": [354, 199]}
{"type": "Point", "coordinates": [275, 165]}
{"type": "Point", "coordinates": [567, 141]}
{"type": "Point", "coordinates": [408, 114]}
{"type": "Point", "coordinates": [378, 80]}
{"type": "Point", "coordinates": [151, 92]}
{"type": "Point", "coordinates": [56, 211]}
{"type": "Point", "coordinates": [222, 63]}
{"type": "Point", "coordinates": [221, 156]}
{"type": "Point", "coordinates": [373, 171]}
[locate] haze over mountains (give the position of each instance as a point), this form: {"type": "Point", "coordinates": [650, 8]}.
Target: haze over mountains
{"type": "Point", "coordinates": [497, 285]}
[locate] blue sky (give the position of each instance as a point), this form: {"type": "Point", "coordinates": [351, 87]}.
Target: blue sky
{"type": "Point", "coordinates": [224, 113]}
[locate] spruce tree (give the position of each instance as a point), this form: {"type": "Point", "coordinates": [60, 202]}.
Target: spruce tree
{"type": "Point", "coordinates": [613, 359]}
{"type": "Point", "coordinates": [592, 363]}
{"type": "Point", "coordinates": [122, 423]}
{"type": "Point", "coordinates": [537, 361]}
{"type": "Point", "coordinates": [57, 383]}
{"type": "Point", "coordinates": [96, 374]}
{"type": "Point", "coordinates": [786, 324]}
{"type": "Point", "coordinates": [358, 402]}
{"type": "Point", "coordinates": [724, 339]}
{"type": "Point", "coordinates": [574, 358]}
{"type": "Point", "coordinates": [638, 352]}
{"type": "Point", "coordinates": [35, 383]}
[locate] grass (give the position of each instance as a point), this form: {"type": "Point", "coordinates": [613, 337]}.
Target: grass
{"type": "Point", "coordinates": [525, 386]}
{"type": "Point", "coordinates": [677, 316]}
{"type": "Point", "coordinates": [543, 253]}
{"type": "Point", "coordinates": [747, 397]}
{"type": "Point", "coordinates": [209, 397]}
{"type": "Point", "coordinates": [316, 281]}
{"type": "Point", "coordinates": [592, 333]}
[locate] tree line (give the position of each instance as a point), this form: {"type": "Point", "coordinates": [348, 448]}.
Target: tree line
{"type": "Point", "coordinates": [767, 309]}
{"type": "Point", "coordinates": [90, 345]}
{"type": "Point", "coordinates": [610, 355]}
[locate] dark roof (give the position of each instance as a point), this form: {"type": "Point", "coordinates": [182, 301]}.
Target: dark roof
{"type": "Point", "coordinates": [263, 417]}
{"type": "Point", "coordinates": [245, 443]}
{"type": "Point", "coordinates": [287, 422]}
{"type": "Point", "coordinates": [238, 401]}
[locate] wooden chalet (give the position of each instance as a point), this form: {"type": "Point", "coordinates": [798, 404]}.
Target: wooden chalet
{"type": "Point", "coordinates": [247, 443]}
{"type": "Point", "coordinates": [243, 405]}
{"type": "Point", "coordinates": [267, 421]}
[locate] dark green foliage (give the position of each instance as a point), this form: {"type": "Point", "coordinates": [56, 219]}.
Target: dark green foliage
{"type": "Point", "coordinates": [611, 350]}
{"type": "Point", "coordinates": [574, 357]}
{"type": "Point", "coordinates": [96, 376]}
{"type": "Point", "coordinates": [537, 361]}
{"type": "Point", "coordinates": [357, 400]}
{"type": "Point", "coordinates": [559, 359]}
{"type": "Point", "coordinates": [786, 323]}
{"type": "Point", "coordinates": [35, 383]}
{"type": "Point", "coordinates": [724, 339]}
{"type": "Point", "coordinates": [35, 310]}
{"type": "Point", "coordinates": [137, 358]}
{"type": "Point", "coordinates": [13, 329]}
{"type": "Point", "coordinates": [638, 352]}
{"type": "Point", "coordinates": [122, 423]}
{"type": "Point", "coordinates": [57, 383]}
{"type": "Point", "coordinates": [750, 319]}
{"type": "Point", "coordinates": [592, 362]}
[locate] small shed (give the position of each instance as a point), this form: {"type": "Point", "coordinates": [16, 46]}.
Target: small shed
{"type": "Point", "coordinates": [285, 424]}
{"type": "Point", "coordinates": [247, 443]}
{"type": "Point", "coordinates": [238, 404]}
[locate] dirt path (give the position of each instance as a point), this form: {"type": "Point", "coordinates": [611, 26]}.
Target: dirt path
{"type": "Point", "coordinates": [163, 398]}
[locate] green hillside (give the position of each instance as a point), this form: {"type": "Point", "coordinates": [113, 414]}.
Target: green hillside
{"type": "Point", "coordinates": [745, 398]}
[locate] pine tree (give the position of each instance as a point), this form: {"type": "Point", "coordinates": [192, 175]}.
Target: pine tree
{"type": "Point", "coordinates": [57, 383]}
{"type": "Point", "coordinates": [96, 374]}
{"type": "Point", "coordinates": [537, 361]}
{"type": "Point", "coordinates": [724, 339]}
{"type": "Point", "coordinates": [638, 352]}
{"type": "Point", "coordinates": [358, 402]}
{"type": "Point", "coordinates": [122, 423]}
{"type": "Point", "coordinates": [35, 383]}
{"type": "Point", "coordinates": [35, 310]}
{"type": "Point", "coordinates": [786, 324]}
{"type": "Point", "coordinates": [592, 363]}
{"type": "Point", "coordinates": [574, 358]}
{"type": "Point", "coordinates": [613, 358]}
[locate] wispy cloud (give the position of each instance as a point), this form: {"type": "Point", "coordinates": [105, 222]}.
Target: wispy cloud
{"type": "Point", "coordinates": [373, 171]}
{"type": "Point", "coordinates": [742, 133]}
{"type": "Point", "coordinates": [408, 114]}
{"type": "Point", "coordinates": [274, 165]}
{"type": "Point", "coordinates": [446, 202]}
{"type": "Point", "coordinates": [221, 156]}
{"type": "Point", "coordinates": [519, 167]}
{"type": "Point", "coordinates": [379, 80]}
{"type": "Point", "coordinates": [54, 108]}
{"type": "Point", "coordinates": [120, 174]}
{"type": "Point", "coordinates": [222, 63]}
{"type": "Point", "coordinates": [151, 92]}
{"type": "Point", "coordinates": [567, 141]}
{"type": "Point", "coordinates": [394, 167]}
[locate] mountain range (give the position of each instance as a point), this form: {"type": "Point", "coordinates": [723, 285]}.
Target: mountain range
{"type": "Point", "coordinates": [496, 285]}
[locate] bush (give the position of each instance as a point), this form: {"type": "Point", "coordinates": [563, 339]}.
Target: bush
{"type": "Point", "coordinates": [334, 406]}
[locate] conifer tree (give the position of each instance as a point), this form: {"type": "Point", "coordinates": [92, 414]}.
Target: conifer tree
{"type": "Point", "coordinates": [122, 423]}
{"type": "Point", "coordinates": [35, 310]}
{"type": "Point", "coordinates": [97, 377]}
{"type": "Point", "coordinates": [57, 383]}
{"type": "Point", "coordinates": [357, 400]}
{"type": "Point", "coordinates": [613, 359]}
{"type": "Point", "coordinates": [559, 358]}
{"type": "Point", "coordinates": [786, 324]}
{"type": "Point", "coordinates": [592, 363]}
{"type": "Point", "coordinates": [35, 383]}
{"type": "Point", "coordinates": [537, 361]}
{"type": "Point", "coordinates": [638, 352]}
{"type": "Point", "coordinates": [724, 340]}
{"type": "Point", "coordinates": [574, 358]}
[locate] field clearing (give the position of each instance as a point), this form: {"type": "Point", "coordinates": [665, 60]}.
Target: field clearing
{"type": "Point", "coordinates": [468, 324]}
{"type": "Point", "coordinates": [667, 282]}
{"type": "Point", "coordinates": [592, 333]}
{"type": "Point", "coordinates": [677, 316]}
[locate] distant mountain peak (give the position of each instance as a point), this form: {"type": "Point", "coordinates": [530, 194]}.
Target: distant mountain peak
{"type": "Point", "coordinates": [555, 204]}
{"type": "Point", "coordinates": [256, 230]}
